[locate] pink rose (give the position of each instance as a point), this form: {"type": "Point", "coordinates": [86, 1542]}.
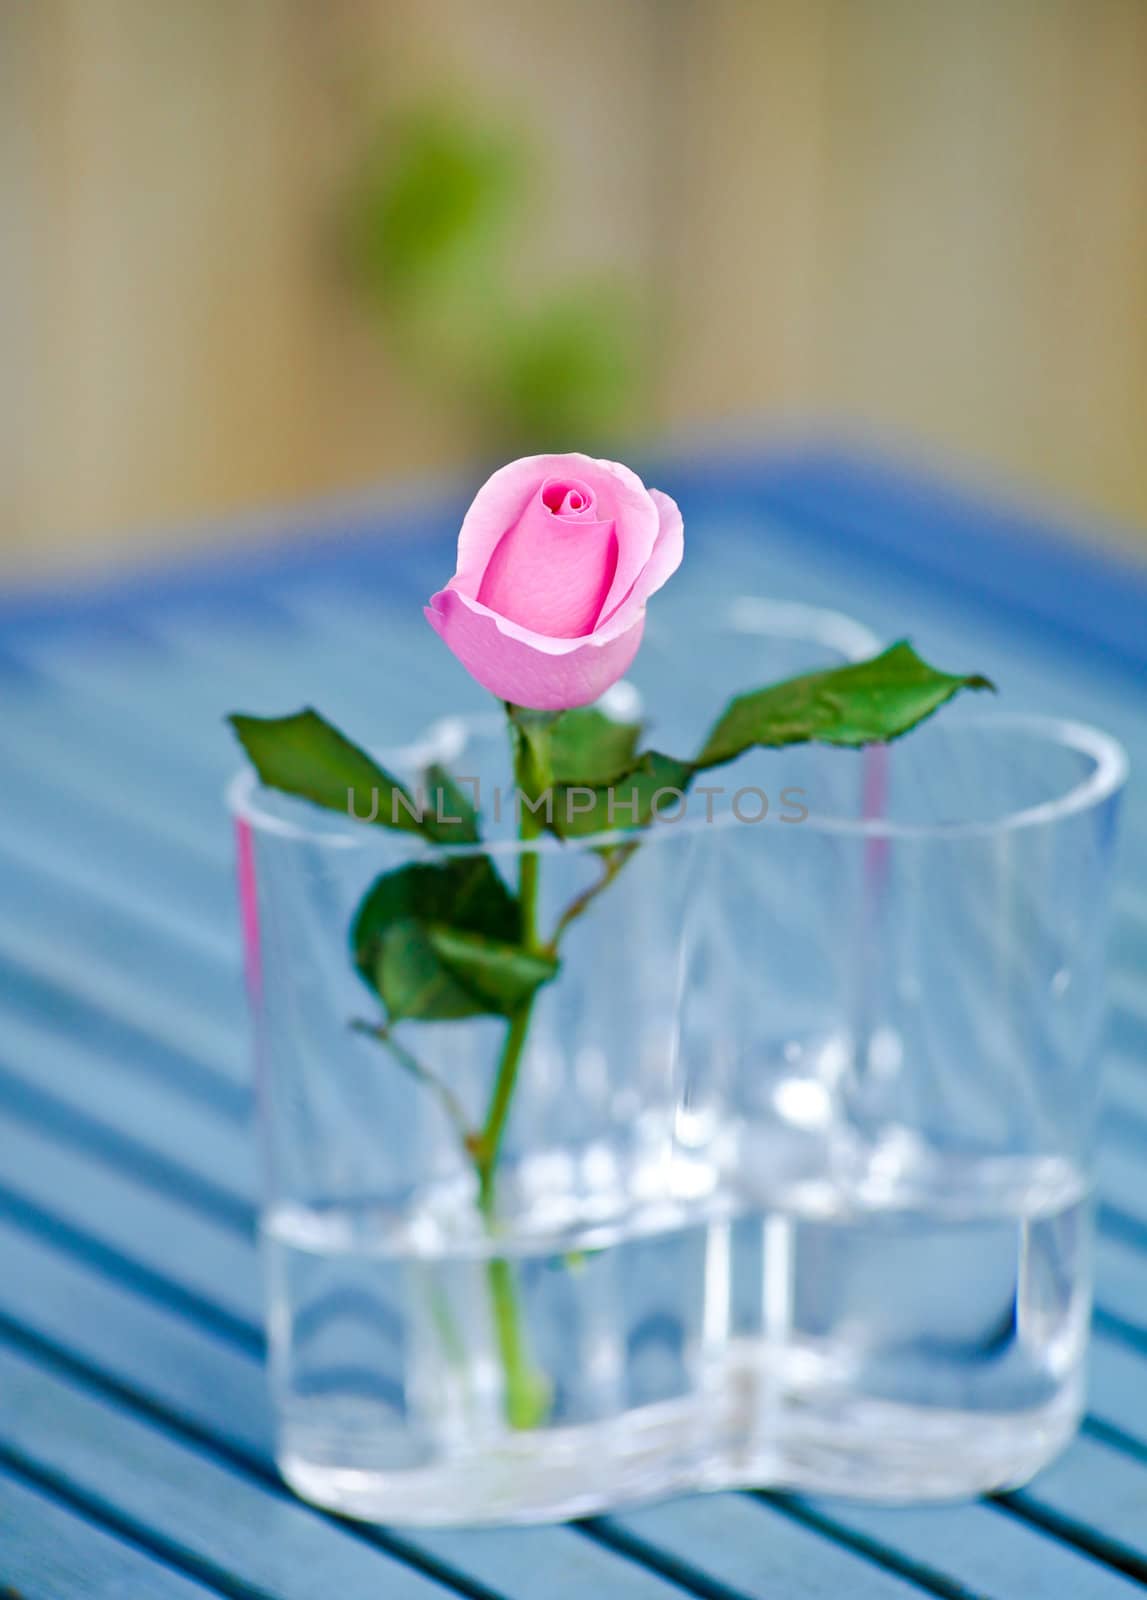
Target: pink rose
{"type": "Point", "coordinates": [556, 559]}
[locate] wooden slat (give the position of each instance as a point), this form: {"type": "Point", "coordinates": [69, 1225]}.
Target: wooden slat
{"type": "Point", "coordinates": [1091, 1495]}
{"type": "Point", "coordinates": [122, 1131]}
{"type": "Point", "coordinates": [138, 1096]}
{"type": "Point", "coordinates": [169, 1242]}
{"type": "Point", "coordinates": [222, 1081]}
{"type": "Point", "coordinates": [97, 981]}
{"type": "Point", "coordinates": [48, 1552]}
{"type": "Point", "coordinates": [51, 908]}
{"type": "Point", "coordinates": [96, 889]}
{"type": "Point", "coordinates": [53, 1298]}
{"type": "Point", "coordinates": [148, 790]}
{"type": "Point", "coordinates": [1121, 1272]}
{"type": "Point", "coordinates": [1117, 1391]}
{"type": "Point", "coordinates": [982, 1549]}
{"type": "Point", "coordinates": [40, 819]}
{"type": "Point", "coordinates": [750, 1547]}
{"type": "Point", "coordinates": [198, 1512]}
{"type": "Point", "coordinates": [226, 1520]}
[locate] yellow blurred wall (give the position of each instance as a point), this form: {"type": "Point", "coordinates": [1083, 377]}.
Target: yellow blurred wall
{"type": "Point", "coordinates": [925, 215]}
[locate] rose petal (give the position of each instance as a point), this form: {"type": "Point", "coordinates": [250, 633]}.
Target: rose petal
{"type": "Point", "coordinates": [530, 670]}
{"type": "Point", "coordinates": [619, 494]}
{"type": "Point", "coordinates": [551, 573]}
{"type": "Point", "coordinates": [569, 498]}
{"type": "Point", "coordinates": [663, 562]}
{"type": "Point", "coordinates": [668, 548]}
{"type": "Point", "coordinates": [628, 502]}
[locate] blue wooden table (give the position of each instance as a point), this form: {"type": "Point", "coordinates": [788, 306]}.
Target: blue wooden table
{"type": "Point", "coordinates": [134, 1440]}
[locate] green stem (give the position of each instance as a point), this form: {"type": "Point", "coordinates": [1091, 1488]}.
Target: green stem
{"type": "Point", "coordinates": [527, 1397]}
{"type": "Point", "coordinates": [528, 874]}
{"type": "Point", "coordinates": [490, 1138]}
{"type": "Point", "coordinates": [528, 1393]}
{"type": "Point", "coordinates": [449, 1102]}
{"type": "Point", "coordinates": [577, 907]}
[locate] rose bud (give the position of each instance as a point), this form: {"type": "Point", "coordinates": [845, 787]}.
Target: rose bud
{"type": "Point", "coordinates": [557, 556]}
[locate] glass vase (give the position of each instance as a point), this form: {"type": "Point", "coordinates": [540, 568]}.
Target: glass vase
{"type": "Point", "coordinates": [793, 1186]}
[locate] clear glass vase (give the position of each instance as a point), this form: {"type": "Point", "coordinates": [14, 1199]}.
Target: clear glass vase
{"type": "Point", "coordinates": [794, 1185]}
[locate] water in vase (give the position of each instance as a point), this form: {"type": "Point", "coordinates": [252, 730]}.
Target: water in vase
{"type": "Point", "coordinates": [847, 1336]}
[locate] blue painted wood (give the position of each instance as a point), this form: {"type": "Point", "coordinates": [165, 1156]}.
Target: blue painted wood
{"type": "Point", "coordinates": [126, 1270]}
{"type": "Point", "coordinates": [36, 995]}
{"type": "Point", "coordinates": [86, 1316]}
{"type": "Point", "coordinates": [196, 1511]}
{"type": "Point", "coordinates": [1121, 1184]}
{"type": "Point", "coordinates": [95, 980]}
{"type": "Point", "coordinates": [557, 1562]}
{"type": "Point", "coordinates": [1118, 1388]}
{"type": "Point", "coordinates": [220, 1518]}
{"type": "Point", "coordinates": [52, 909]}
{"type": "Point", "coordinates": [1121, 1269]}
{"type": "Point", "coordinates": [1125, 1101]}
{"type": "Point", "coordinates": [1129, 1013]}
{"type": "Point", "coordinates": [175, 796]}
{"type": "Point", "coordinates": [753, 1548]}
{"type": "Point", "coordinates": [1090, 1490]}
{"type": "Point", "coordinates": [124, 1131]}
{"type": "Point", "coordinates": [44, 817]}
{"type": "Point", "coordinates": [1004, 555]}
{"type": "Point", "coordinates": [170, 1242]}
{"type": "Point", "coordinates": [65, 1015]}
{"type": "Point", "coordinates": [142, 1098]}
{"type": "Point", "coordinates": [1005, 1557]}
{"type": "Point", "coordinates": [48, 1552]}
{"type": "Point", "coordinates": [64, 865]}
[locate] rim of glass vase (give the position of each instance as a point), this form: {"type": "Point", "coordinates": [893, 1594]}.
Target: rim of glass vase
{"type": "Point", "coordinates": [446, 738]}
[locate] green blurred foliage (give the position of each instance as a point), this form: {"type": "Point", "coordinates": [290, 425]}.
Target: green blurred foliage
{"type": "Point", "coordinates": [433, 204]}
{"type": "Point", "coordinates": [572, 369]}
{"type": "Point", "coordinates": [435, 220]}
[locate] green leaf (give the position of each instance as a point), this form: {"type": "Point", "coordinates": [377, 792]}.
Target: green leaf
{"type": "Point", "coordinates": [501, 975]}
{"type": "Point", "coordinates": [305, 755]}
{"type": "Point", "coordinates": [588, 747]}
{"type": "Point", "coordinates": [451, 807]}
{"type": "Point", "coordinates": [865, 703]}
{"type": "Point", "coordinates": [439, 941]}
{"type": "Point", "coordinates": [433, 973]}
{"type": "Point", "coordinates": [413, 981]}
{"type": "Point", "coordinates": [626, 802]}
{"type": "Point", "coordinates": [461, 892]}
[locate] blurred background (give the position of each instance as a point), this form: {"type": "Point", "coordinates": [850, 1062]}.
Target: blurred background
{"type": "Point", "coordinates": [263, 251]}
